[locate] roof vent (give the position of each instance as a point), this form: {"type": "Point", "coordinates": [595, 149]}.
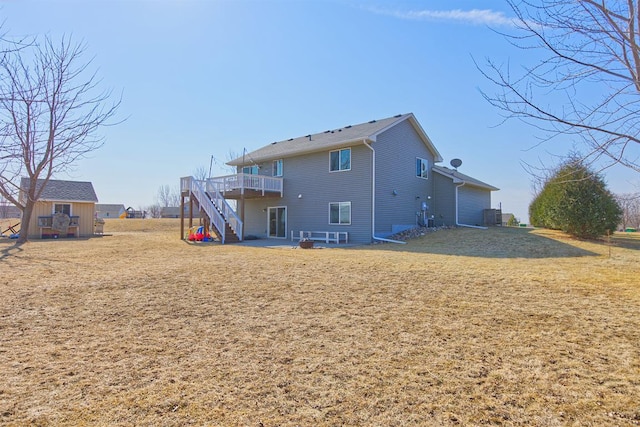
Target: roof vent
{"type": "Point", "coordinates": [398, 115]}
{"type": "Point", "coordinates": [290, 139]}
{"type": "Point", "coordinates": [327, 131]}
{"type": "Point", "coordinates": [347, 127]}
{"type": "Point", "coordinates": [372, 121]}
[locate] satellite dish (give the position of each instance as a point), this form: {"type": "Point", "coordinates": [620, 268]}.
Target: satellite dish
{"type": "Point", "coordinates": [456, 163]}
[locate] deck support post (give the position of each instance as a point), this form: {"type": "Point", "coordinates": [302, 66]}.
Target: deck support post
{"type": "Point", "coordinates": [181, 215]}
{"type": "Point", "coordinates": [190, 210]}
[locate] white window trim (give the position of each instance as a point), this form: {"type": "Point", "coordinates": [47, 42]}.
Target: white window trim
{"type": "Point", "coordinates": [427, 169]}
{"type": "Point", "coordinates": [251, 168]}
{"type": "Point", "coordinates": [53, 207]}
{"type": "Point", "coordinates": [273, 165]}
{"type": "Point", "coordinates": [286, 221]}
{"type": "Point", "coordinates": [339, 158]}
{"type": "Point", "coordinates": [339, 206]}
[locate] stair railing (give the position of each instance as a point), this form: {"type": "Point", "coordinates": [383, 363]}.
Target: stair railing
{"type": "Point", "coordinates": [232, 218]}
{"type": "Point", "coordinates": [205, 203]}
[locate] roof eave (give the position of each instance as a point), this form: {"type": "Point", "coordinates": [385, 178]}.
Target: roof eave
{"type": "Point", "coordinates": [66, 200]}
{"type": "Point", "coordinates": [461, 180]}
{"type": "Point", "coordinates": [253, 160]}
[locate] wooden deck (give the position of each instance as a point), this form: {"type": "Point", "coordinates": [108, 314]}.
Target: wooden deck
{"type": "Point", "coordinates": [237, 194]}
{"type": "Point", "coordinates": [240, 186]}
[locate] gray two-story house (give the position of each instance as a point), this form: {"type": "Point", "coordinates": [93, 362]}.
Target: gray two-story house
{"type": "Point", "coordinates": [359, 183]}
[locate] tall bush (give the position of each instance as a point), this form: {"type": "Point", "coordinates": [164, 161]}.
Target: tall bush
{"type": "Point", "coordinates": [576, 200]}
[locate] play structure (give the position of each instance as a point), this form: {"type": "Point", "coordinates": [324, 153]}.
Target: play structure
{"type": "Point", "coordinates": [132, 213]}
{"type": "Point", "coordinates": [15, 231]}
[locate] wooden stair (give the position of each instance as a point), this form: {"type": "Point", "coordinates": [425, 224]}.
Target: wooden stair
{"type": "Point", "coordinates": [230, 235]}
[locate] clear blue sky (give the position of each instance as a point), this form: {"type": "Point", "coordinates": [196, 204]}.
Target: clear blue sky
{"type": "Point", "coordinates": [206, 78]}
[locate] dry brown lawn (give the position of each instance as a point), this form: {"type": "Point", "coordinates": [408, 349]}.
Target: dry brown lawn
{"type": "Point", "coordinates": [468, 327]}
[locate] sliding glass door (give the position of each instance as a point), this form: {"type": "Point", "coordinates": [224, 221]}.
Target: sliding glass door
{"type": "Point", "coordinates": [278, 222]}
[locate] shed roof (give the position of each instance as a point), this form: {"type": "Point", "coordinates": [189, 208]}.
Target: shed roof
{"type": "Point", "coordinates": [63, 191]}
{"type": "Point", "coordinates": [335, 138]}
{"type": "Point", "coordinates": [110, 207]}
{"type": "Point", "coordinates": [459, 178]}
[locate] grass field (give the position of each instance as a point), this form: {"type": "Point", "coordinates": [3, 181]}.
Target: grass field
{"type": "Point", "coordinates": [459, 327]}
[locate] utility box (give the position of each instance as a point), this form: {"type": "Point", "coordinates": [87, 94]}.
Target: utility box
{"type": "Point", "coordinates": [493, 217]}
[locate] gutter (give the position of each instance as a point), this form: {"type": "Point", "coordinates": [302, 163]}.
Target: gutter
{"type": "Point", "coordinates": [464, 225]}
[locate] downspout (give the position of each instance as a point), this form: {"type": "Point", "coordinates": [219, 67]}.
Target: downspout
{"type": "Point", "coordinates": [373, 188]}
{"type": "Point", "coordinates": [382, 239]}
{"type": "Point", "coordinates": [464, 225]}
{"type": "Point", "coordinates": [373, 198]}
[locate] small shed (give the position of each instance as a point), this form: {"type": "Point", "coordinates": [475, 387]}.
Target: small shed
{"type": "Point", "coordinates": [75, 200]}
{"type": "Point", "coordinates": [174, 211]}
{"type": "Point", "coordinates": [106, 211]}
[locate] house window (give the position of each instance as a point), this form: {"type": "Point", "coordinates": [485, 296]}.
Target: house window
{"type": "Point", "coordinates": [64, 208]}
{"type": "Point", "coordinates": [277, 167]}
{"type": "Point", "coordinates": [422, 168]}
{"type": "Point", "coordinates": [340, 213]}
{"type": "Point", "coordinates": [340, 160]}
{"type": "Point", "coordinates": [251, 170]}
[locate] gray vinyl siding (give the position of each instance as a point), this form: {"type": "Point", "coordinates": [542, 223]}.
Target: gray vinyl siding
{"type": "Point", "coordinates": [255, 217]}
{"type": "Point", "coordinates": [396, 151]}
{"type": "Point", "coordinates": [310, 177]}
{"type": "Point", "coordinates": [472, 203]}
{"type": "Point", "coordinates": [444, 205]}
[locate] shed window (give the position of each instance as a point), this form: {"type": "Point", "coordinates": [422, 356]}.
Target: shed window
{"type": "Point", "coordinates": [340, 160]}
{"type": "Point", "coordinates": [64, 208]}
{"type": "Point", "coordinates": [340, 213]}
{"type": "Point", "coordinates": [422, 168]}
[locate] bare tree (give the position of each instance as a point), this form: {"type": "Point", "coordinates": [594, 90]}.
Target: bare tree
{"type": "Point", "coordinates": [586, 83]}
{"type": "Point", "coordinates": [168, 196]}
{"type": "Point", "coordinates": [630, 204]}
{"type": "Point", "coordinates": [232, 155]}
{"type": "Point", "coordinates": [201, 173]}
{"type": "Point", "coordinates": [155, 211]}
{"type": "Point", "coordinates": [50, 112]}
{"type": "Point", "coordinates": [164, 195]}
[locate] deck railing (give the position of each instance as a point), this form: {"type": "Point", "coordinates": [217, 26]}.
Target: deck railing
{"type": "Point", "coordinates": [245, 181]}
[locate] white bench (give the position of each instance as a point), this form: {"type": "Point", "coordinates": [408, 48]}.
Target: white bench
{"type": "Point", "coordinates": [323, 236]}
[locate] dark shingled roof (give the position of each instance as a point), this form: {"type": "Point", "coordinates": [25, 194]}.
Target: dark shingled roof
{"type": "Point", "coordinates": [459, 178]}
{"type": "Point", "coordinates": [64, 191]}
{"type": "Point", "coordinates": [332, 139]}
